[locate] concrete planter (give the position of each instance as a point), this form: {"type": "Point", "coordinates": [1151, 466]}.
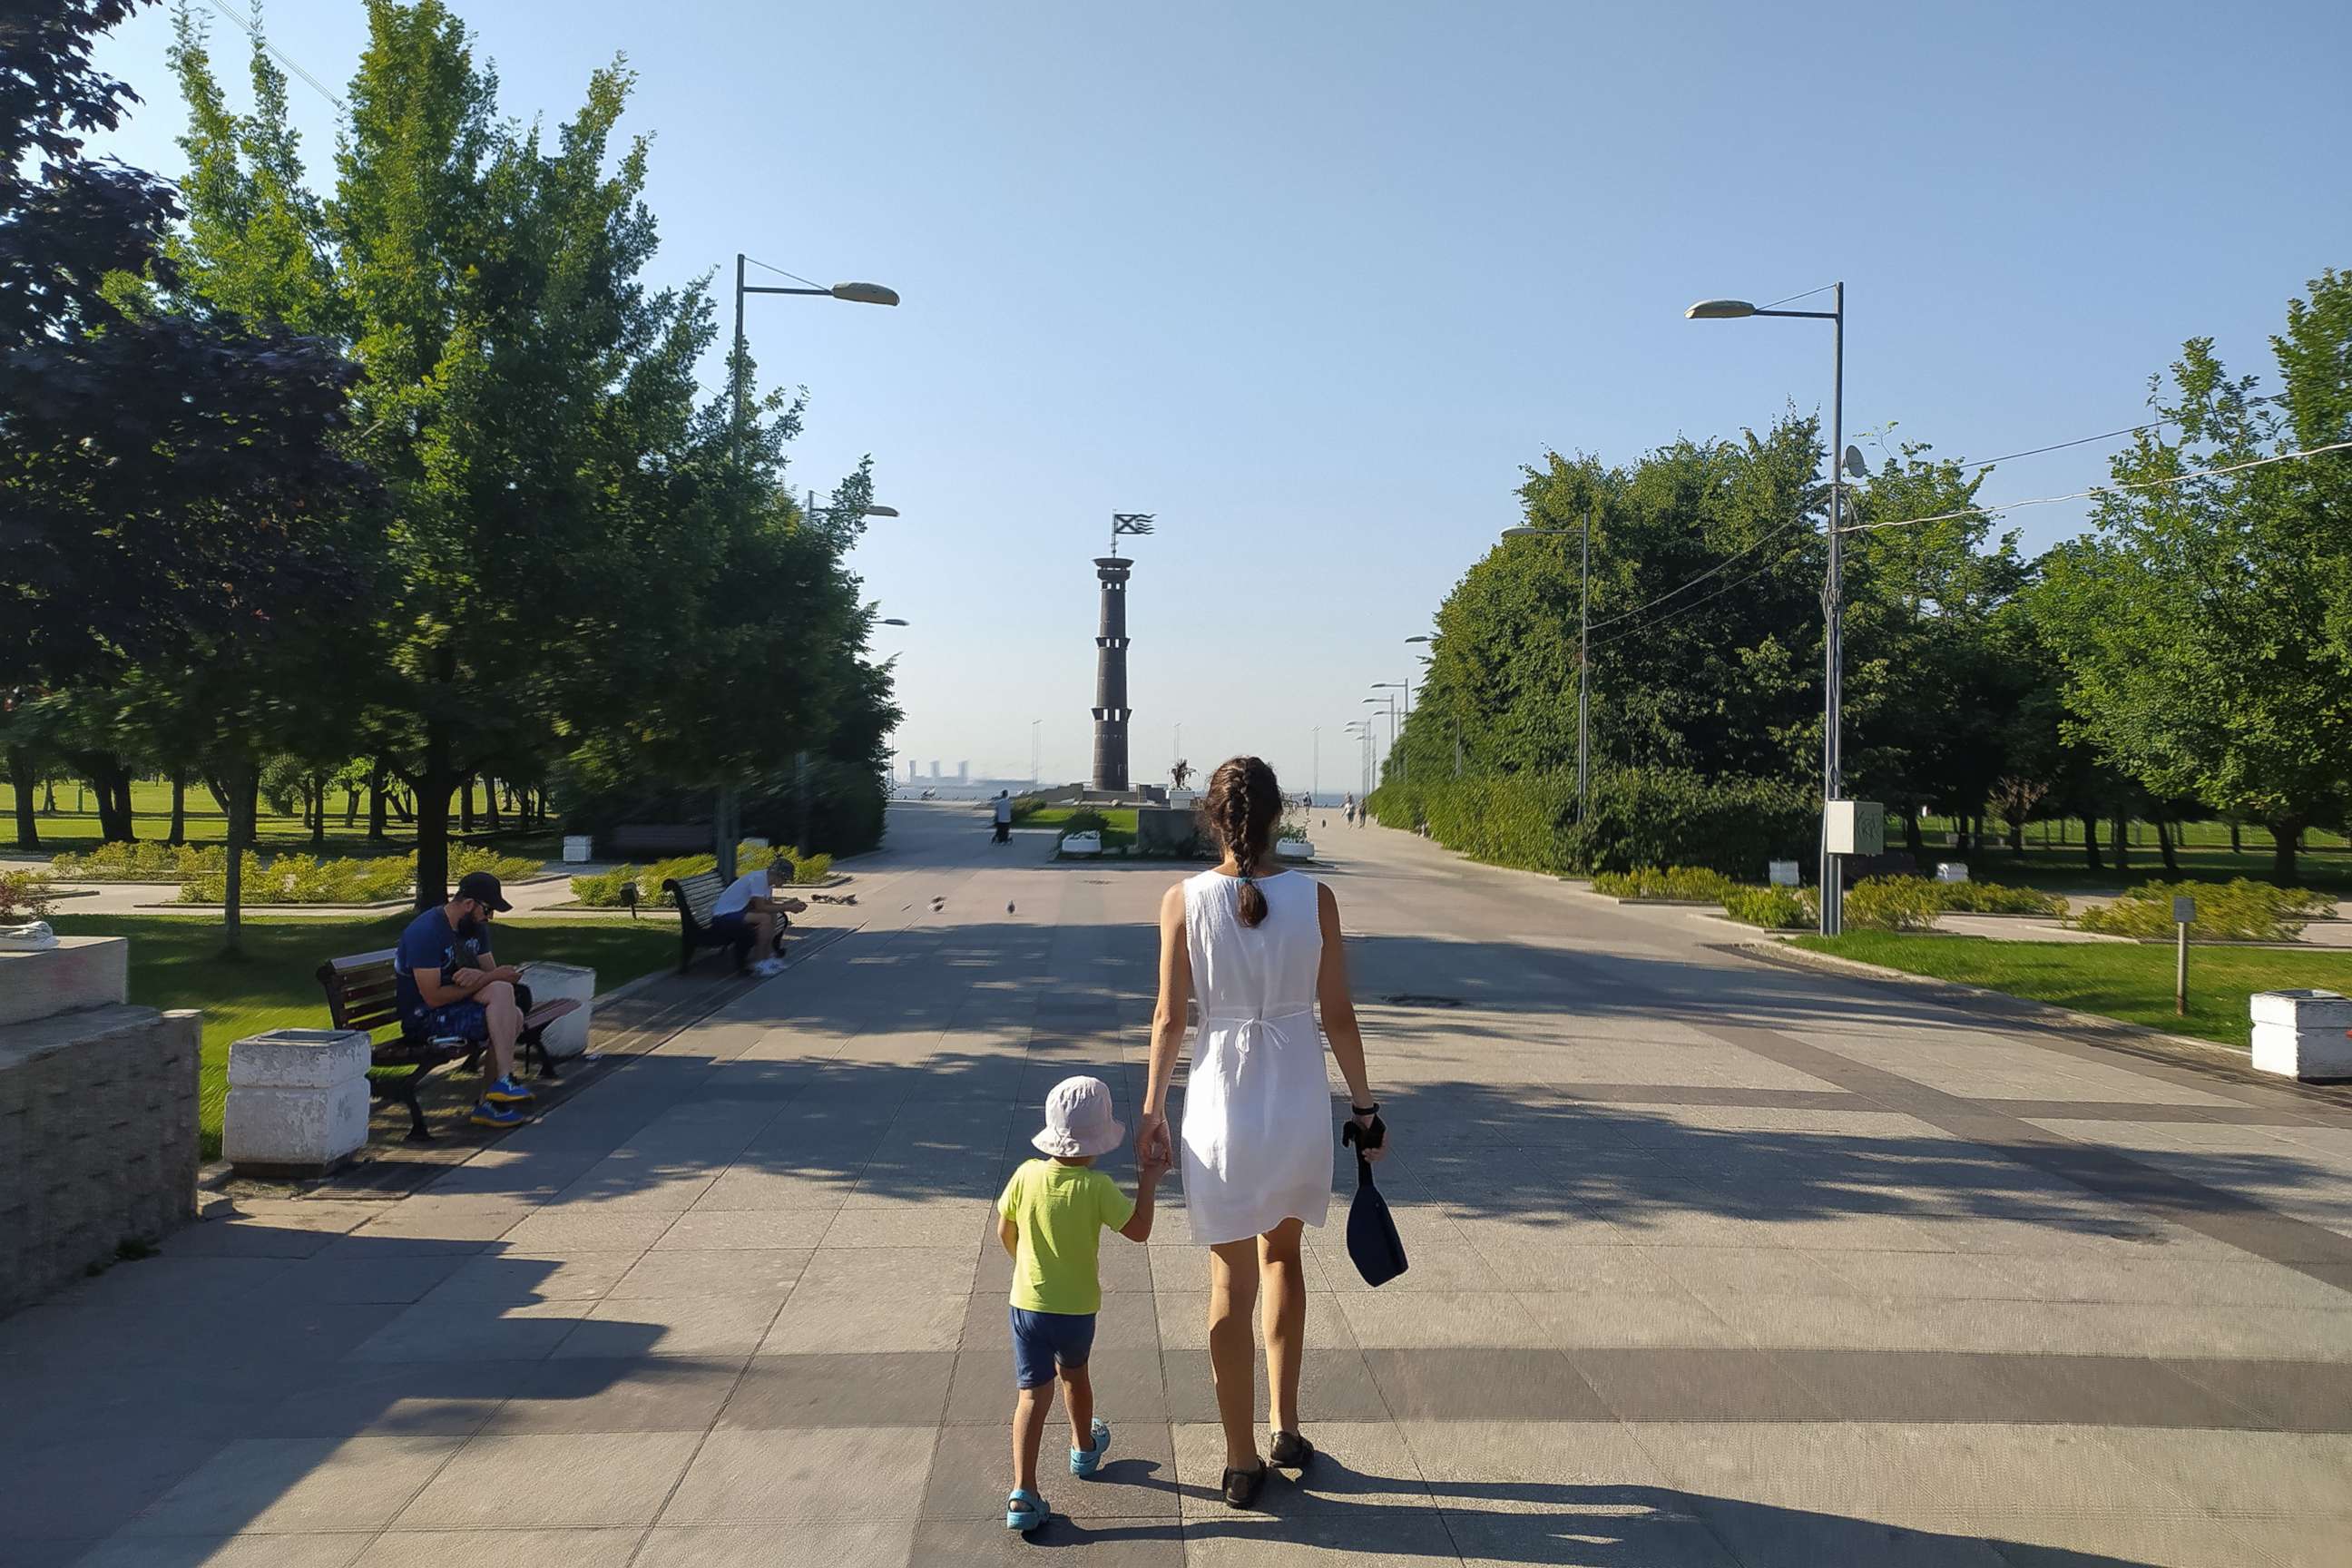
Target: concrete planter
{"type": "Point", "coordinates": [1293, 849]}
{"type": "Point", "coordinates": [1781, 873]}
{"type": "Point", "coordinates": [568, 1037]}
{"type": "Point", "coordinates": [1082, 843]}
{"type": "Point", "coordinates": [1951, 871]}
{"type": "Point", "coordinates": [2301, 1034]}
{"type": "Point", "coordinates": [577, 847]}
{"type": "Point", "coordinates": [72, 973]}
{"type": "Point", "coordinates": [297, 1102]}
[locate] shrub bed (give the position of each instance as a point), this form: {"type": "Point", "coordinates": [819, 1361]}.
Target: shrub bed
{"type": "Point", "coordinates": [2236, 911]}
{"type": "Point", "coordinates": [25, 896]}
{"type": "Point", "coordinates": [1894, 903]}
{"type": "Point", "coordinates": [1774, 909]}
{"type": "Point", "coordinates": [1998, 899]}
{"type": "Point", "coordinates": [147, 861]}
{"type": "Point", "coordinates": [603, 890]}
{"type": "Point", "coordinates": [1695, 883]}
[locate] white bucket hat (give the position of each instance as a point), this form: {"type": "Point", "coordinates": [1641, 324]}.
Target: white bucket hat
{"type": "Point", "coordinates": [1079, 1122]}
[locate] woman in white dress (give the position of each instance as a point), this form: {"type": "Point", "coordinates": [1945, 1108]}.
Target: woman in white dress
{"type": "Point", "coordinates": [1259, 946]}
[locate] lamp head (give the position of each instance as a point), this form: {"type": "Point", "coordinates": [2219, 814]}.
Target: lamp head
{"type": "Point", "coordinates": [891, 621]}
{"type": "Point", "coordinates": [1718, 310]}
{"type": "Point", "coordinates": [1855, 465]}
{"type": "Point", "coordinates": [866, 293]}
{"type": "Point", "coordinates": [1421, 639]}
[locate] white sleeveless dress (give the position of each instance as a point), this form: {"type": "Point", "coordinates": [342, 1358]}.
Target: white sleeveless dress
{"type": "Point", "coordinates": [1257, 1142]}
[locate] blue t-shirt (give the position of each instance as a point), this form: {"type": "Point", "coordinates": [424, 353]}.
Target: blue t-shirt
{"type": "Point", "coordinates": [432, 942]}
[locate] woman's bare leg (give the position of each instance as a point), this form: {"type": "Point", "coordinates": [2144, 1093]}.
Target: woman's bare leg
{"type": "Point", "coordinates": [1233, 1350]}
{"type": "Point", "coordinates": [1285, 1321]}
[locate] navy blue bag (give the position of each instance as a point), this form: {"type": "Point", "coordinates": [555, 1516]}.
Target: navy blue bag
{"type": "Point", "coordinates": [1372, 1241]}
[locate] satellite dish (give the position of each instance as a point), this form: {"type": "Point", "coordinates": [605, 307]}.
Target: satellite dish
{"type": "Point", "coordinates": [1855, 465]}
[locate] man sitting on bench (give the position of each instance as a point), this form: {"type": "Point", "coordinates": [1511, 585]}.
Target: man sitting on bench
{"type": "Point", "coordinates": [450, 985]}
{"type": "Point", "coordinates": [751, 899]}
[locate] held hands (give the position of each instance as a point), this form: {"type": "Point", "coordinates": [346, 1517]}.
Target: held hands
{"type": "Point", "coordinates": [1152, 1162]}
{"type": "Point", "coordinates": [1153, 1144]}
{"type": "Point", "coordinates": [1370, 1134]}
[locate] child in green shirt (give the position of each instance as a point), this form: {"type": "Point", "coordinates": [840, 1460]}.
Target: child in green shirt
{"type": "Point", "coordinates": [1051, 1218]}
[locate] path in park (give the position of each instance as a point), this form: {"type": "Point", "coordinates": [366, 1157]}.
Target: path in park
{"type": "Point", "coordinates": [1712, 1262]}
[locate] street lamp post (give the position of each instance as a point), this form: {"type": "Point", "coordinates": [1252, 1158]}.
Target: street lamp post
{"type": "Point", "coordinates": [1404, 760]}
{"type": "Point", "coordinates": [726, 812]}
{"type": "Point", "coordinates": [1583, 653]}
{"type": "Point", "coordinates": [1832, 589]}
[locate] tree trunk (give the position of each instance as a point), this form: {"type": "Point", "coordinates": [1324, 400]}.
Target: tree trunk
{"type": "Point", "coordinates": [2123, 841]}
{"type": "Point", "coordinates": [212, 788]}
{"type": "Point", "coordinates": [466, 805]}
{"type": "Point", "coordinates": [2016, 835]}
{"type": "Point", "coordinates": [178, 809]}
{"type": "Point", "coordinates": [432, 786]}
{"type": "Point", "coordinates": [244, 786]}
{"type": "Point", "coordinates": [2235, 848]}
{"type": "Point", "coordinates": [1911, 839]}
{"type": "Point", "coordinates": [350, 805]}
{"type": "Point", "coordinates": [2164, 847]}
{"type": "Point", "coordinates": [318, 811]}
{"type": "Point", "coordinates": [49, 797]}
{"type": "Point", "coordinates": [2286, 833]}
{"type": "Point", "coordinates": [376, 833]}
{"type": "Point", "coordinates": [20, 775]}
{"type": "Point", "coordinates": [109, 784]}
{"type": "Point", "coordinates": [122, 805]}
{"type": "Point", "coordinates": [490, 802]}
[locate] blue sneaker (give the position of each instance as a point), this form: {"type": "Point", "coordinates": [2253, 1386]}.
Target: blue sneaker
{"type": "Point", "coordinates": [489, 1115]}
{"type": "Point", "coordinates": [506, 1091]}
{"type": "Point", "coordinates": [1025, 1511]}
{"type": "Point", "coordinates": [1085, 1462]}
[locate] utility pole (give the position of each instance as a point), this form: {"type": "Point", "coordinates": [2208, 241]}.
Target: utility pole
{"type": "Point", "coordinates": [1583, 681]}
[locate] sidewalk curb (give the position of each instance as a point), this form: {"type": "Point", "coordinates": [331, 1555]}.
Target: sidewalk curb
{"type": "Point", "coordinates": [2097, 1028]}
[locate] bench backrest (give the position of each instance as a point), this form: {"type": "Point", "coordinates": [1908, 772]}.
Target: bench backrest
{"type": "Point", "coordinates": [361, 990]}
{"type": "Point", "coordinates": [697, 893]}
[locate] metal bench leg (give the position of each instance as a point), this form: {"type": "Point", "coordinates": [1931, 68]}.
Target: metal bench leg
{"type": "Point", "coordinates": [404, 1091]}
{"type": "Point", "coordinates": [530, 1042]}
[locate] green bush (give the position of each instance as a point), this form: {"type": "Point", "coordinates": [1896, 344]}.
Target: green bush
{"type": "Point", "coordinates": [1670, 818]}
{"type": "Point", "coordinates": [1996, 898]}
{"type": "Point", "coordinates": [1692, 882]}
{"type": "Point", "coordinates": [2236, 911]}
{"type": "Point", "coordinates": [25, 896]}
{"type": "Point", "coordinates": [1087, 822]}
{"type": "Point", "coordinates": [299, 879]}
{"type": "Point", "coordinates": [148, 861]}
{"type": "Point", "coordinates": [1892, 903]}
{"type": "Point", "coordinates": [603, 890]}
{"type": "Point", "coordinates": [1025, 806]}
{"type": "Point", "coordinates": [1505, 819]}
{"type": "Point", "coordinates": [808, 869]}
{"type": "Point", "coordinates": [1774, 909]}
{"type": "Point", "coordinates": [466, 857]}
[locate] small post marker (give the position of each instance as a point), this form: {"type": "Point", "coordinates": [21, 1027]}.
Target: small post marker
{"type": "Point", "coordinates": [2184, 910]}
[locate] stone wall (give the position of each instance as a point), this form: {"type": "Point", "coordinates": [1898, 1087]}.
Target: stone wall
{"type": "Point", "coordinates": [98, 1116]}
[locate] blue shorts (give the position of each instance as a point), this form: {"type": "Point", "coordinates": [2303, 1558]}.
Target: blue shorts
{"type": "Point", "coordinates": [730, 924]}
{"type": "Point", "coordinates": [1043, 1340]}
{"type": "Point", "coordinates": [464, 1020]}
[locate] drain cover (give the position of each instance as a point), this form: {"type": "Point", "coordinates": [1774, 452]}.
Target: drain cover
{"type": "Point", "coordinates": [1415, 999]}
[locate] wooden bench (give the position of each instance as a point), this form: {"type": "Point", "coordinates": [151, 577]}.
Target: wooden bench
{"type": "Point", "coordinates": [695, 895]}
{"type": "Point", "coordinates": [362, 995]}
{"type": "Point", "coordinates": [659, 838]}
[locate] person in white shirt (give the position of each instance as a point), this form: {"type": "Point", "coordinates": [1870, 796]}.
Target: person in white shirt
{"type": "Point", "coordinates": [751, 899]}
{"type": "Point", "coordinates": [1003, 804]}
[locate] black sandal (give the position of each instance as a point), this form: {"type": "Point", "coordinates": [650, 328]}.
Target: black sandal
{"type": "Point", "coordinates": [1290, 1450]}
{"type": "Point", "coordinates": [1241, 1486]}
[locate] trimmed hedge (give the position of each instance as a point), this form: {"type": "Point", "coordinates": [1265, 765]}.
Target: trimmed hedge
{"type": "Point", "coordinates": [1894, 903]}
{"type": "Point", "coordinates": [2236, 911]}
{"type": "Point", "coordinates": [1775, 908]}
{"type": "Point", "coordinates": [1661, 816]}
{"type": "Point", "coordinates": [25, 896]}
{"type": "Point", "coordinates": [1693, 883]}
{"type": "Point", "coordinates": [603, 890]}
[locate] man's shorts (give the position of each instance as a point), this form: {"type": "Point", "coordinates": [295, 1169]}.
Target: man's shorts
{"type": "Point", "coordinates": [460, 1020]}
{"type": "Point", "coordinates": [1043, 1340]}
{"type": "Point", "coordinates": [730, 924]}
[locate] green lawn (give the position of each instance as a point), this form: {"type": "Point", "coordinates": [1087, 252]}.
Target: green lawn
{"type": "Point", "coordinates": [175, 961]}
{"type": "Point", "coordinates": [1121, 819]}
{"type": "Point", "coordinates": [2128, 981]}
{"type": "Point", "coordinates": [2203, 853]}
{"type": "Point", "coordinates": [151, 809]}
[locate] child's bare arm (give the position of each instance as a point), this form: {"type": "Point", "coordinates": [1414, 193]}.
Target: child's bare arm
{"type": "Point", "coordinates": [1153, 1164]}
{"type": "Point", "coordinates": [1008, 1234]}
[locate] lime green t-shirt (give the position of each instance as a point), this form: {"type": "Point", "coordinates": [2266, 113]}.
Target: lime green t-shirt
{"type": "Point", "coordinates": [1060, 1212]}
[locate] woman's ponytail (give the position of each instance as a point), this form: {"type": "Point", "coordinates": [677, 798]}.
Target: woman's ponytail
{"type": "Point", "coordinates": [1243, 806]}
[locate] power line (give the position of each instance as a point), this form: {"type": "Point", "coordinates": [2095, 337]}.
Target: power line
{"type": "Point", "coordinates": [1727, 560]}
{"type": "Point", "coordinates": [289, 61]}
{"type": "Point", "coordinates": [2102, 490]}
{"type": "Point", "coordinates": [2086, 440]}
{"type": "Point", "coordinates": [1772, 565]}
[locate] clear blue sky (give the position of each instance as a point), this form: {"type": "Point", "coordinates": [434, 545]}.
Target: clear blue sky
{"type": "Point", "coordinates": [1312, 282]}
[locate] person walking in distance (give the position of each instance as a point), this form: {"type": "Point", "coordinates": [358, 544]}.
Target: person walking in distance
{"type": "Point", "coordinates": [1259, 945]}
{"type": "Point", "coordinates": [1003, 804]}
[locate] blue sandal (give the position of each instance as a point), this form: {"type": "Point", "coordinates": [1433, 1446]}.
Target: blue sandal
{"type": "Point", "coordinates": [1085, 1462]}
{"type": "Point", "coordinates": [1025, 1511]}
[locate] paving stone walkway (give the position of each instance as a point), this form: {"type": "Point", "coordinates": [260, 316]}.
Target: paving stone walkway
{"type": "Point", "coordinates": [1713, 1263]}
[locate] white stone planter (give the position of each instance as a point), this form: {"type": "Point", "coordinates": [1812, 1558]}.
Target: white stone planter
{"type": "Point", "coordinates": [2301, 1034]}
{"type": "Point", "coordinates": [1293, 849]}
{"type": "Point", "coordinates": [1081, 843]}
{"type": "Point", "coordinates": [1951, 871]}
{"type": "Point", "coordinates": [1780, 873]}
{"type": "Point", "coordinates": [576, 849]}
{"type": "Point", "coordinates": [567, 1036]}
{"type": "Point", "coordinates": [297, 1100]}
{"type": "Point", "coordinates": [72, 973]}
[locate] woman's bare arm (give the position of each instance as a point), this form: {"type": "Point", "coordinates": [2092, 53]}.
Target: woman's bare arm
{"type": "Point", "coordinates": [1339, 1009]}
{"type": "Point", "coordinates": [1167, 1023]}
